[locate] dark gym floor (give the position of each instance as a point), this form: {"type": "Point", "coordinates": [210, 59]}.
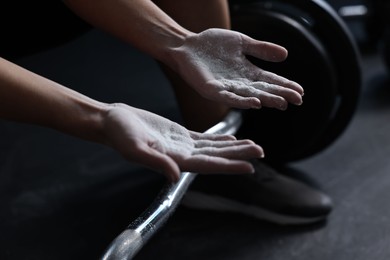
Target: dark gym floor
{"type": "Point", "coordinates": [63, 198]}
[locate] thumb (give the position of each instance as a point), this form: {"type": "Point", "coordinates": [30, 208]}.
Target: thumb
{"type": "Point", "coordinates": [263, 50]}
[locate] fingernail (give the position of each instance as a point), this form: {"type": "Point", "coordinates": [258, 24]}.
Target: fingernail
{"type": "Point", "coordinates": [283, 107]}
{"type": "Point", "coordinates": [256, 106]}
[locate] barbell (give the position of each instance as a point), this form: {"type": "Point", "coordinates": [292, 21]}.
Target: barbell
{"type": "Point", "coordinates": [322, 57]}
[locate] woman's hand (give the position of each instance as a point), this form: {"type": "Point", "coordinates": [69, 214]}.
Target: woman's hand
{"type": "Point", "coordinates": [167, 147]}
{"type": "Point", "coordinates": [214, 62]}
{"type": "Point", "coordinates": [140, 136]}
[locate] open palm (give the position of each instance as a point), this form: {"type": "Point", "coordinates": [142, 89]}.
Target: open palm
{"type": "Point", "coordinates": [167, 147]}
{"type": "Point", "coordinates": [214, 63]}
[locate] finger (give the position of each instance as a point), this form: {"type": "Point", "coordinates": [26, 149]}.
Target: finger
{"type": "Point", "coordinates": [245, 89]}
{"type": "Point", "coordinates": [273, 78]}
{"type": "Point", "coordinates": [212, 137]}
{"type": "Point", "coordinates": [219, 144]}
{"type": "Point", "coordinates": [272, 101]}
{"type": "Point", "coordinates": [242, 102]}
{"type": "Point", "coordinates": [263, 50]}
{"type": "Point", "coordinates": [240, 152]}
{"type": "Point", "coordinates": [287, 94]}
{"type": "Point", "coordinates": [205, 164]}
{"type": "Point", "coordinates": [157, 161]}
{"type": "Point", "coordinates": [227, 96]}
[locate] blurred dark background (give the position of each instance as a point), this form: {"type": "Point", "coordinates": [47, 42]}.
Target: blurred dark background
{"type": "Point", "coordinates": [64, 198]}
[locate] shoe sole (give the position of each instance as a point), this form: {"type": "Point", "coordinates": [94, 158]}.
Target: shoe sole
{"type": "Point", "coordinates": [201, 201]}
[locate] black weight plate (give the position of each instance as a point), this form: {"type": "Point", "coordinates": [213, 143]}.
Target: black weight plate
{"type": "Point", "coordinates": [288, 135]}
{"type": "Point", "coordinates": [324, 22]}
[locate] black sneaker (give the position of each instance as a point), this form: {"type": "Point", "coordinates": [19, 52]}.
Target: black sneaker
{"type": "Point", "coordinates": [267, 195]}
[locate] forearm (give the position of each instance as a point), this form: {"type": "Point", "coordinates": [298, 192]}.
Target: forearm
{"type": "Point", "coordinates": [222, 74]}
{"type": "Point", "coordinates": [139, 22]}
{"type": "Point", "coordinates": [30, 98]}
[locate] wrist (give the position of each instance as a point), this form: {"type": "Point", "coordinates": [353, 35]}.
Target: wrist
{"type": "Point", "coordinates": [177, 39]}
{"type": "Point", "coordinates": [96, 116]}
{"type": "Point", "coordinates": [87, 121]}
